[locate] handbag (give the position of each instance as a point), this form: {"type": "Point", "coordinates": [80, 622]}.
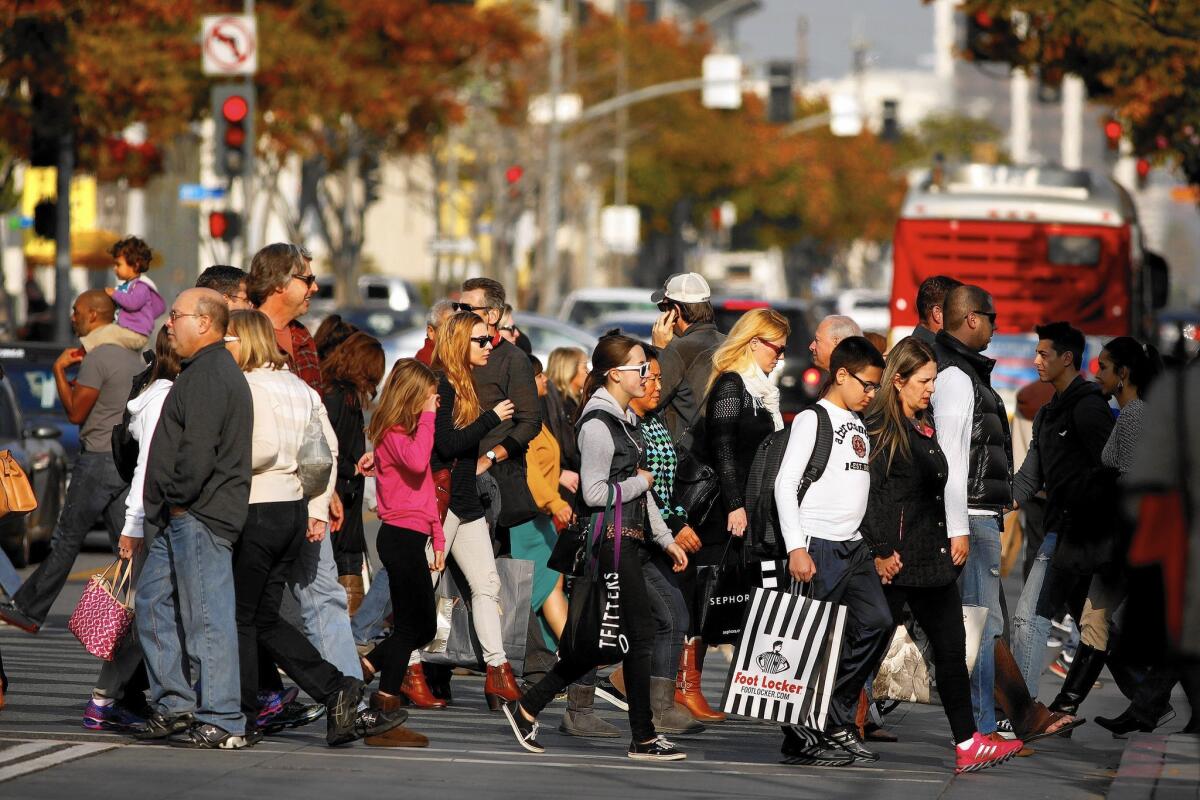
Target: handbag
{"type": "Point", "coordinates": [441, 490]}
{"type": "Point", "coordinates": [594, 633]}
{"type": "Point", "coordinates": [17, 495]}
{"type": "Point", "coordinates": [785, 666]}
{"type": "Point", "coordinates": [725, 590]}
{"type": "Point", "coordinates": [516, 502]}
{"type": "Point", "coordinates": [444, 613]}
{"type": "Point", "coordinates": [907, 673]}
{"type": "Point", "coordinates": [314, 460]}
{"type": "Point", "coordinates": [570, 548]}
{"type": "Point", "coordinates": [104, 614]}
{"type": "Point", "coordinates": [696, 485]}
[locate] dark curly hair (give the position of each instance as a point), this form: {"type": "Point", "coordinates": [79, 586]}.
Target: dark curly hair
{"type": "Point", "coordinates": [137, 253]}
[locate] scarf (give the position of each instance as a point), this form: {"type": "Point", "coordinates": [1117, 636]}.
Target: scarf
{"type": "Point", "coordinates": [763, 393]}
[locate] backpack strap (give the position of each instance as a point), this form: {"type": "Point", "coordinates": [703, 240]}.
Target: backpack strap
{"type": "Point", "coordinates": [820, 454]}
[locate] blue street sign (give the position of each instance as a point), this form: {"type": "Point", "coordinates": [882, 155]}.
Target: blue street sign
{"type": "Point", "coordinates": [198, 193]}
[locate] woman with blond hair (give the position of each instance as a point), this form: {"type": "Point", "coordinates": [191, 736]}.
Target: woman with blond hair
{"type": "Point", "coordinates": [279, 519]}
{"type": "Point", "coordinates": [567, 370]}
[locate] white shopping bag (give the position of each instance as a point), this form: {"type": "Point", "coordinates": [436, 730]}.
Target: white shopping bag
{"type": "Point", "coordinates": [786, 663]}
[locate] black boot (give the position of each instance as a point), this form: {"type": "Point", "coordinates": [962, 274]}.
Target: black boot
{"type": "Point", "coordinates": [1083, 673]}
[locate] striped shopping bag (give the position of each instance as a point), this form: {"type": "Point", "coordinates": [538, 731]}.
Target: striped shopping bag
{"type": "Point", "coordinates": [786, 662]}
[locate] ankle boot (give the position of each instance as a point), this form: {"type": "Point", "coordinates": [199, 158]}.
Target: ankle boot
{"type": "Point", "coordinates": [399, 736]}
{"type": "Point", "coordinates": [1083, 673]}
{"type": "Point", "coordinates": [668, 716]}
{"type": "Point", "coordinates": [500, 686]}
{"type": "Point", "coordinates": [353, 584]}
{"type": "Point", "coordinates": [416, 691]}
{"type": "Point", "coordinates": [687, 683]}
{"type": "Point", "coordinates": [580, 718]}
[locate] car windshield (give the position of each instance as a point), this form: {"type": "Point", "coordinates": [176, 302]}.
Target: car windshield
{"type": "Point", "coordinates": [381, 322]}
{"type": "Point", "coordinates": [585, 312]}
{"type": "Point", "coordinates": [34, 387]}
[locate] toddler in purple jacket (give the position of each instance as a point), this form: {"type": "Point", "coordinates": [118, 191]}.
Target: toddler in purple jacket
{"type": "Point", "coordinates": [138, 302]}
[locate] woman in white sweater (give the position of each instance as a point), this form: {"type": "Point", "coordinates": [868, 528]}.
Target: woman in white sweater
{"type": "Point", "coordinates": [280, 518]}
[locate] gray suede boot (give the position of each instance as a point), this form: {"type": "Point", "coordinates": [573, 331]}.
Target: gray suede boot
{"type": "Point", "coordinates": [669, 717]}
{"type": "Point", "coordinates": [581, 720]}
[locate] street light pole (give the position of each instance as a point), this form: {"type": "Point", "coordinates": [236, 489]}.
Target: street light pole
{"type": "Point", "coordinates": [549, 286]}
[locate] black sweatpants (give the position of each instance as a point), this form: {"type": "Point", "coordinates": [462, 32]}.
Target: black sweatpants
{"type": "Point", "coordinates": [938, 610]}
{"type": "Point", "coordinates": [414, 608]}
{"type": "Point", "coordinates": [262, 560]}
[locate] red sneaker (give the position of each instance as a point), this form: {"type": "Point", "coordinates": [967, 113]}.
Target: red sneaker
{"type": "Point", "coordinates": [985, 752]}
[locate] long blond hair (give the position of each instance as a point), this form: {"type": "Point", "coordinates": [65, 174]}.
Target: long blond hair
{"type": "Point", "coordinates": [257, 345]}
{"type": "Point", "coordinates": [404, 395]}
{"type": "Point", "coordinates": [562, 367]}
{"type": "Point", "coordinates": [886, 422]}
{"type": "Point", "coordinates": [452, 356]}
{"type": "Point", "coordinates": [734, 354]}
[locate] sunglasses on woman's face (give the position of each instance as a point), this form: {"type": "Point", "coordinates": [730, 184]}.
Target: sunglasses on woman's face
{"type": "Point", "coordinates": [482, 341]}
{"type": "Point", "coordinates": [777, 349]}
{"type": "Point", "coordinates": [642, 369]}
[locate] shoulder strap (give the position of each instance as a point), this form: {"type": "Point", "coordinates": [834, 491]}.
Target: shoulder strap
{"type": "Point", "coordinates": [820, 454]}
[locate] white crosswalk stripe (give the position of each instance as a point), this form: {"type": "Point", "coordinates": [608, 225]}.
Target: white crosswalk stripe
{"type": "Point", "coordinates": [21, 757]}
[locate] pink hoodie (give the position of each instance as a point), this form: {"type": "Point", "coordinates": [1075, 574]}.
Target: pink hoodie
{"type": "Point", "coordinates": [404, 480]}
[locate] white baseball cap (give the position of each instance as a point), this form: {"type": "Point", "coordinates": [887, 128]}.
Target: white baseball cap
{"type": "Point", "coordinates": [684, 287]}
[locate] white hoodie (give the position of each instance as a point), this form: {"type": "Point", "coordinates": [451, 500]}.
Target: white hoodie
{"type": "Point", "coordinates": [144, 410]}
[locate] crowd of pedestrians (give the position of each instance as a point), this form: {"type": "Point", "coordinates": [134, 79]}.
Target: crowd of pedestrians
{"type": "Point", "coordinates": [233, 463]}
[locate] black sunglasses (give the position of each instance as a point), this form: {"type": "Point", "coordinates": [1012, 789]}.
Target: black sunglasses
{"type": "Point", "coordinates": [482, 341]}
{"type": "Point", "coordinates": [991, 315]}
{"type": "Point", "coordinates": [468, 307]}
{"type": "Point", "coordinates": [308, 279]}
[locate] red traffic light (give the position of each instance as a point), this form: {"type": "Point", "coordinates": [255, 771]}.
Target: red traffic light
{"type": "Point", "coordinates": [235, 136]}
{"type": "Point", "coordinates": [513, 174]}
{"type": "Point", "coordinates": [1112, 129]}
{"type": "Point", "coordinates": [235, 108]}
{"type": "Point", "coordinates": [1143, 167]}
{"type": "Point", "coordinates": [218, 224]}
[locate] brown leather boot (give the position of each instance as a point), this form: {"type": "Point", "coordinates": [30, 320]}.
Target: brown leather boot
{"type": "Point", "coordinates": [399, 736]}
{"type": "Point", "coordinates": [353, 584]}
{"type": "Point", "coordinates": [687, 684]}
{"type": "Point", "coordinates": [500, 686]}
{"type": "Point", "coordinates": [416, 691]}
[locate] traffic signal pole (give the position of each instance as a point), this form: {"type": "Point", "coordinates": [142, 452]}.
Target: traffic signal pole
{"type": "Point", "coordinates": [63, 298]}
{"type": "Point", "coordinates": [250, 234]}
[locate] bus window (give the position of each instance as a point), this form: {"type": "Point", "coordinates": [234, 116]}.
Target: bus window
{"type": "Point", "coordinates": [1076, 251]}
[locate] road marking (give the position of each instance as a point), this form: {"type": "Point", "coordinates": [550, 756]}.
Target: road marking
{"type": "Point", "coordinates": [70, 753]}
{"type": "Point", "coordinates": [22, 750]}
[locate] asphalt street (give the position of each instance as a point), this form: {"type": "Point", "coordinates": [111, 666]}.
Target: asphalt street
{"type": "Point", "coordinates": [45, 753]}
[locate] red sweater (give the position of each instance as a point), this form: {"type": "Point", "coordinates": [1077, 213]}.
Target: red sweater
{"type": "Point", "coordinates": [404, 481]}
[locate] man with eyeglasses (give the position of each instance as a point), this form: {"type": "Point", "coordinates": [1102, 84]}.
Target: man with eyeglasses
{"type": "Point", "coordinates": [281, 284]}
{"type": "Point", "coordinates": [972, 429]}
{"type": "Point", "coordinates": [197, 491]}
{"type": "Point", "coordinates": [230, 282]}
{"type": "Point", "coordinates": [95, 401]}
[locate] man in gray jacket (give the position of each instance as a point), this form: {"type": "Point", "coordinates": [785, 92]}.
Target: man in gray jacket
{"type": "Point", "coordinates": [687, 336]}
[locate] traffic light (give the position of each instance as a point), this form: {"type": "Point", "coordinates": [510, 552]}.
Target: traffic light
{"type": "Point", "coordinates": [781, 103]}
{"type": "Point", "coordinates": [45, 219]}
{"type": "Point", "coordinates": [1143, 173]}
{"type": "Point", "coordinates": [889, 128]}
{"type": "Point", "coordinates": [233, 113]}
{"type": "Point", "coordinates": [990, 38]}
{"type": "Point", "coordinates": [224, 225]}
{"type": "Point", "coordinates": [1112, 134]}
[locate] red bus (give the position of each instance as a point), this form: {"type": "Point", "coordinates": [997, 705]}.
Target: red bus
{"type": "Point", "coordinates": [1047, 243]}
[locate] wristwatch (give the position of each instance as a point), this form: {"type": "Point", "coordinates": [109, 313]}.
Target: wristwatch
{"type": "Point", "coordinates": [491, 454]}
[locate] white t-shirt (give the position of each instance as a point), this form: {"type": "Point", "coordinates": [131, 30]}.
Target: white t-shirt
{"type": "Point", "coordinates": [835, 504]}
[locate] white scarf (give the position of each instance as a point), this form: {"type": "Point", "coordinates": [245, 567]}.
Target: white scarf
{"type": "Point", "coordinates": [763, 393]}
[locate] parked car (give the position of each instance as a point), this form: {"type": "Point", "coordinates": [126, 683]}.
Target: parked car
{"type": "Point", "coordinates": [638, 324]}
{"type": "Point", "coordinates": [546, 334]}
{"type": "Point", "coordinates": [30, 368]}
{"type": "Point", "coordinates": [868, 308]}
{"type": "Point", "coordinates": [373, 290]}
{"type": "Point", "coordinates": [584, 306]}
{"type": "Point", "coordinates": [26, 537]}
{"type": "Point", "coordinates": [798, 379]}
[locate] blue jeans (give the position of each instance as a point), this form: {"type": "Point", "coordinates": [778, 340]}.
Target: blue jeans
{"type": "Point", "coordinates": [980, 583]}
{"type": "Point", "coordinates": [670, 613]}
{"type": "Point", "coordinates": [323, 606]}
{"type": "Point", "coordinates": [199, 564]}
{"type": "Point", "coordinates": [371, 619]}
{"type": "Point", "coordinates": [1027, 626]}
{"type": "Point", "coordinates": [96, 491]}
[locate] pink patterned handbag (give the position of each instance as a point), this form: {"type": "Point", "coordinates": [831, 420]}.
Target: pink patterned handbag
{"type": "Point", "coordinates": [102, 619]}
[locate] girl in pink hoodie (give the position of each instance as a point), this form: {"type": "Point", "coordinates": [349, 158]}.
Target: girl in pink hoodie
{"type": "Point", "coordinates": [402, 433]}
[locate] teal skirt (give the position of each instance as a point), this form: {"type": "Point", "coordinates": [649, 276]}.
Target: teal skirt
{"type": "Point", "coordinates": [533, 541]}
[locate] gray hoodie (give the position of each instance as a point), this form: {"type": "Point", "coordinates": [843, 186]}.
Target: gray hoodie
{"type": "Point", "coordinates": [596, 453]}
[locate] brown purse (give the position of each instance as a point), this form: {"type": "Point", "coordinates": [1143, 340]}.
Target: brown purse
{"type": "Point", "coordinates": [16, 494]}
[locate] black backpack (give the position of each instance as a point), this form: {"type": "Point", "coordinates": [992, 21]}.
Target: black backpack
{"type": "Point", "coordinates": [764, 539]}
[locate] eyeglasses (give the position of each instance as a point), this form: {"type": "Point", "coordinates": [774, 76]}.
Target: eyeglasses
{"type": "Point", "coordinates": [231, 339]}
{"type": "Point", "coordinates": [991, 315]}
{"type": "Point", "coordinates": [308, 279]}
{"type": "Point", "coordinates": [467, 307]}
{"type": "Point", "coordinates": [642, 369]}
{"type": "Point", "coordinates": [777, 349]}
{"type": "Point", "coordinates": [241, 298]}
{"type": "Point", "coordinates": [482, 341]}
{"type": "Point", "coordinates": [509, 328]}
{"type": "Point", "coordinates": [665, 305]}
{"type": "Point", "coordinates": [868, 386]}
{"type": "Point", "coordinates": [175, 315]}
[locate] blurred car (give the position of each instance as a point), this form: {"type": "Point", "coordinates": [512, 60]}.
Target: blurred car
{"type": "Point", "coordinates": [26, 537]}
{"type": "Point", "coordinates": [798, 380]}
{"type": "Point", "coordinates": [638, 324]}
{"type": "Point", "coordinates": [584, 306]}
{"type": "Point", "coordinates": [867, 307]}
{"type": "Point", "coordinates": [546, 334]}
{"type": "Point", "coordinates": [373, 290]}
{"type": "Point", "coordinates": [30, 369]}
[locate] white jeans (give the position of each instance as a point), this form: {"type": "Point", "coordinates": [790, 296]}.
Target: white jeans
{"type": "Point", "coordinates": [470, 544]}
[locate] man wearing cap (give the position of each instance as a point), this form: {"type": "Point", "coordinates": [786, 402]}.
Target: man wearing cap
{"type": "Point", "coordinates": [687, 336]}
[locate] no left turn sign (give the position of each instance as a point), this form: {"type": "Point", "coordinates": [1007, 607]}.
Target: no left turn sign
{"type": "Point", "coordinates": [229, 43]}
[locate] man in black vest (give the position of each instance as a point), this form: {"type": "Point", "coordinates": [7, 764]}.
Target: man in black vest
{"type": "Point", "coordinates": [931, 306]}
{"type": "Point", "coordinates": [972, 429]}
